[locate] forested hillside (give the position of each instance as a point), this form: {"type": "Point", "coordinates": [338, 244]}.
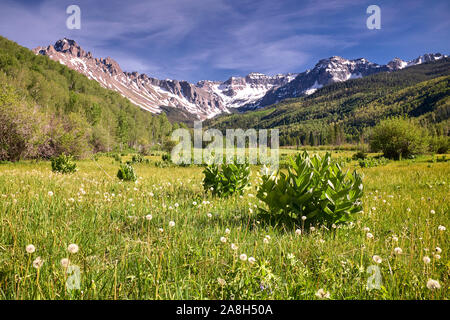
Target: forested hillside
{"type": "Point", "coordinates": [47, 109]}
{"type": "Point", "coordinates": [345, 111]}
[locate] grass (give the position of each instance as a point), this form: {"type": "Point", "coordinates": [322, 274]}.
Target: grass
{"type": "Point", "coordinates": [123, 255]}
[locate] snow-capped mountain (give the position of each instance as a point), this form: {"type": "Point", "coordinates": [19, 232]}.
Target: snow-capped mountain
{"type": "Point", "coordinates": [331, 70]}
{"type": "Point", "coordinates": [239, 91]}
{"type": "Point", "coordinates": [206, 99]}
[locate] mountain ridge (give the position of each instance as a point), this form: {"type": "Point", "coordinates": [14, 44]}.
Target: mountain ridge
{"type": "Point", "coordinates": [206, 99]}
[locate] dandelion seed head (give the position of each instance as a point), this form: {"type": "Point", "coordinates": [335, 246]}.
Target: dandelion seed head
{"type": "Point", "coordinates": [322, 294]}
{"type": "Point", "coordinates": [38, 262]}
{"type": "Point", "coordinates": [64, 262]}
{"type": "Point", "coordinates": [72, 248]}
{"type": "Point", "coordinates": [30, 248]}
{"type": "Point", "coordinates": [377, 259]}
{"type": "Point", "coordinates": [433, 284]}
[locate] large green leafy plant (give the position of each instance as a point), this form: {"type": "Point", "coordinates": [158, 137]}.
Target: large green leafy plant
{"type": "Point", "coordinates": [63, 164]}
{"type": "Point", "coordinates": [314, 187]}
{"type": "Point", "coordinates": [227, 179]}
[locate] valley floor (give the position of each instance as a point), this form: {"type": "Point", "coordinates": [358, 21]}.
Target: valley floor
{"type": "Point", "coordinates": [128, 249]}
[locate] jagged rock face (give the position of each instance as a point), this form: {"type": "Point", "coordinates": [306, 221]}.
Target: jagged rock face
{"type": "Point", "coordinates": [148, 93]}
{"type": "Point", "coordinates": [331, 70]}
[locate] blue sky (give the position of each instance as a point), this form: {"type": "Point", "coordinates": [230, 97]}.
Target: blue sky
{"type": "Point", "coordinates": [215, 39]}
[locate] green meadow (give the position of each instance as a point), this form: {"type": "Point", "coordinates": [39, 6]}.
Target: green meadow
{"type": "Point", "coordinates": [164, 237]}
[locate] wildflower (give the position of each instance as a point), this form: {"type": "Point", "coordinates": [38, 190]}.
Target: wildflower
{"type": "Point", "coordinates": [322, 294]}
{"type": "Point", "coordinates": [437, 256]}
{"type": "Point", "coordinates": [72, 248]}
{"type": "Point", "coordinates": [433, 284]}
{"type": "Point", "coordinates": [377, 259]}
{"type": "Point", "coordinates": [303, 218]}
{"type": "Point", "coordinates": [50, 193]}
{"type": "Point", "coordinates": [194, 203]}
{"type": "Point", "coordinates": [267, 237]}
{"type": "Point", "coordinates": [369, 235]}
{"type": "Point", "coordinates": [333, 226]}
{"type": "Point", "coordinates": [65, 262]}
{"type": "Point", "coordinates": [432, 211]}
{"type": "Point", "coordinates": [234, 247]}
{"type": "Point", "coordinates": [251, 260]}
{"type": "Point", "coordinates": [38, 262]}
{"type": "Point", "coordinates": [266, 240]}
{"type": "Point", "coordinates": [209, 215]}
{"type": "Point", "coordinates": [312, 229]}
{"type": "Point", "coordinates": [441, 228]}
{"type": "Point", "coordinates": [243, 257]}
{"type": "Point", "coordinates": [161, 230]}
{"type": "Point", "coordinates": [149, 217]}
{"type": "Point", "coordinates": [223, 239]}
{"type": "Point", "coordinates": [30, 248]}
{"type": "Point", "coordinates": [394, 238]}
{"type": "Point", "coordinates": [366, 229]}
{"type": "Point", "coordinates": [408, 209]}
{"type": "Point", "coordinates": [438, 250]}
{"type": "Point", "coordinates": [298, 232]}
{"type": "Point", "coordinates": [176, 205]}
{"type": "Point", "coordinates": [398, 250]}
{"type": "Point", "coordinates": [172, 224]}
{"type": "Point", "coordinates": [227, 231]}
{"type": "Point", "coordinates": [426, 260]}
{"type": "Point", "coordinates": [221, 281]}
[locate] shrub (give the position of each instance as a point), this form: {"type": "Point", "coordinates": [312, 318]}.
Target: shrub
{"type": "Point", "coordinates": [439, 144]}
{"type": "Point", "coordinates": [137, 158]}
{"type": "Point", "coordinates": [166, 157]}
{"type": "Point", "coordinates": [360, 155]}
{"type": "Point", "coordinates": [227, 179]}
{"type": "Point", "coordinates": [126, 173]}
{"type": "Point", "coordinates": [314, 187]}
{"type": "Point", "coordinates": [398, 138]}
{"type": "Point", "coordinates": [372, 162]}
{"type": "Point", "coordinates": [63, 164]}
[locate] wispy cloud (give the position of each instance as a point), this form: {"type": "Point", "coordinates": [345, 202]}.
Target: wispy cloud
{"type": "Point", "coordinates": [205, 39]}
